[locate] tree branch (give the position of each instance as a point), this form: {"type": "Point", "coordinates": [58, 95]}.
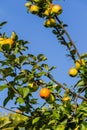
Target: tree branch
{"type": "Point", "coordinates": [14, 111]}
{"type": "Point", "coordinates": [61, 86]}
{"type": "Point", "coordinates": [68, 36]}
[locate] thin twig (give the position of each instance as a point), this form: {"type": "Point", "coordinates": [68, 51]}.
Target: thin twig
{"type": "Point", "coordinates": [61, 86]}
{"type": "Point", "coordinates": [14, 111]}
{"type": "Point", "coordinates": [68, 36]}
{"type": "Point", "coordinates": [14, 89]}
{"type": "Point", "coordinates": [81, 92]}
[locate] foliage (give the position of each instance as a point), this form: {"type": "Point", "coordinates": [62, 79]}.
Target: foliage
{"type": "Point", "coordinates": [22, 74]}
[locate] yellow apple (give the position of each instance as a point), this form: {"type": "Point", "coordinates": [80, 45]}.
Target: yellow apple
{"type": "Point", "coordinates": [5, 41]}
{"type": "Point", "coordinates": [79, 63]}
{"type": "Point", "coordinates": [34, 9]}
{"type": "Point", "coordinates": [47, 12]}
{"type": "Point", "coordinates": [73, 72]}
{"type": "Point", "coordinates": [50, 22]}
{"type": "Point", "coordinates": [56, 9]}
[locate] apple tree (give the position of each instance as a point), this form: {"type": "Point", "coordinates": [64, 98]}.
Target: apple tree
{"type": "Point", "coordinates": [23, 74]}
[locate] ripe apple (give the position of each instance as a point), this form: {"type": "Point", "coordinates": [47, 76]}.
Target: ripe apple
{"type": "Point", "coordinates": [34, 9]}
{"type": "Point", "coordinates": [56, 9]}
{"type": "Point", "coordinates": [44, 93]}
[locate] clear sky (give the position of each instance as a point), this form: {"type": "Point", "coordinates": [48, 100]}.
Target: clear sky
{"type": "Point", "coordinates": [30, 27]}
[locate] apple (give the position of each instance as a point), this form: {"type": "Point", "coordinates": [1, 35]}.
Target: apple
{"type": "Point", "coordinates": [34, 9]}
{"type": "Point", "coordinates": [73, 72]}
{"type": "Point", "coordinates": [56, 9]}
{"type": "Point", "coordinates": [50, 22]}
{"type": "Point", "coordinates": [44, 93]}
{"type": "Point", "coordinates": [79, 63]}
{"type": "Point", "coordinates": [47, 12]}
{"type": "Point", "coordinates": [33, 86]}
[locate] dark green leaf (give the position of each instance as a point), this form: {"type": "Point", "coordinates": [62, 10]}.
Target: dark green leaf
{"type": "Point", "coordinates": [32, 56]}
{"type": "Point", "coordinates": [41, 57]}
{"type": "Point", "coordinates": [3, 23]}
{"type": "Point", "coordinates": [45, 66]}
{"type": "Point", "coordinates": [53, 67]}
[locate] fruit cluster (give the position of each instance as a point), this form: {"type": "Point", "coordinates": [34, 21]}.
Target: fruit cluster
{"type": "Point", "coordinates": [45, 8]}
{"type": "Point", "coordinates": [4, 41]}
{"type": "Point", "coordinates": [78, 65]}
{"type": "Point", "coordinates": [44, 93]}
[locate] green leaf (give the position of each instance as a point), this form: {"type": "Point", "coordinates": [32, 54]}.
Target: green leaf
{"type": "Point", "coordinates": [33, 101]}
{"type": "Point", "coordinates": [83, 126]}
{"type": "Point", "coordinates": [7, 71]}
{"type": "Point", "coordinates": [32, 56]}
{"type": "Point", "coordinates": [6, 101]}
{"type": "Point", "coordinates": [79, 83]}
{"type": "Point", "coordinates": [51, 122]}
{"type": "Point", "coordinates": [3, 23]}
{"type": "Point", "coordinates": [2, 87]}
{"type": "Point", "coordinates": [55, 32]}
{"type": "Point", "coordinates": [9, 97]}
{"type": "Point", "coordinates": [45, 66]}
{"type": "Point", "coordinates": [35, 120]}
{"type": "Point", "coordinates": [20, 100]}
{"type": "Point", "coordinates": [53, 67]}
{"type": "Point", "coordinates": [22, 59]}
{"type": "Point", "coordinates": [60, 127]}
{"type": "Point", "coordinates": [84, 55]}
{"type": "Point", "coordinates": [36, 66]}
{"type": "Point", "coordinates": [38, 75]}
{"type": "Point", "coordinates": [5, 123]}
{"type": "Point", "coordinates": [41, 57]}
{"type": "Point", "coordinates": [14, 36]}
{"type": "Point", "coordinates": [25, 92]}
{"type": "Point", "coordinates": [73, 52]}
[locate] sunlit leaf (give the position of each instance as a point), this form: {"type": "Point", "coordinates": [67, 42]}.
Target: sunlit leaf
{"type": "Point", "coordinates": [41, 57]}
{"type": "Point", "coordinates": [25, 92]}
{"type": "Point", "coordinates": [20, 100]}
{"type": "Point", "coordinates": [35, 120]}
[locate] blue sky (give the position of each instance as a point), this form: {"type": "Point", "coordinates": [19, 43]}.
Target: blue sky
{"type": "Point", "coordinates": [30, 27]}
